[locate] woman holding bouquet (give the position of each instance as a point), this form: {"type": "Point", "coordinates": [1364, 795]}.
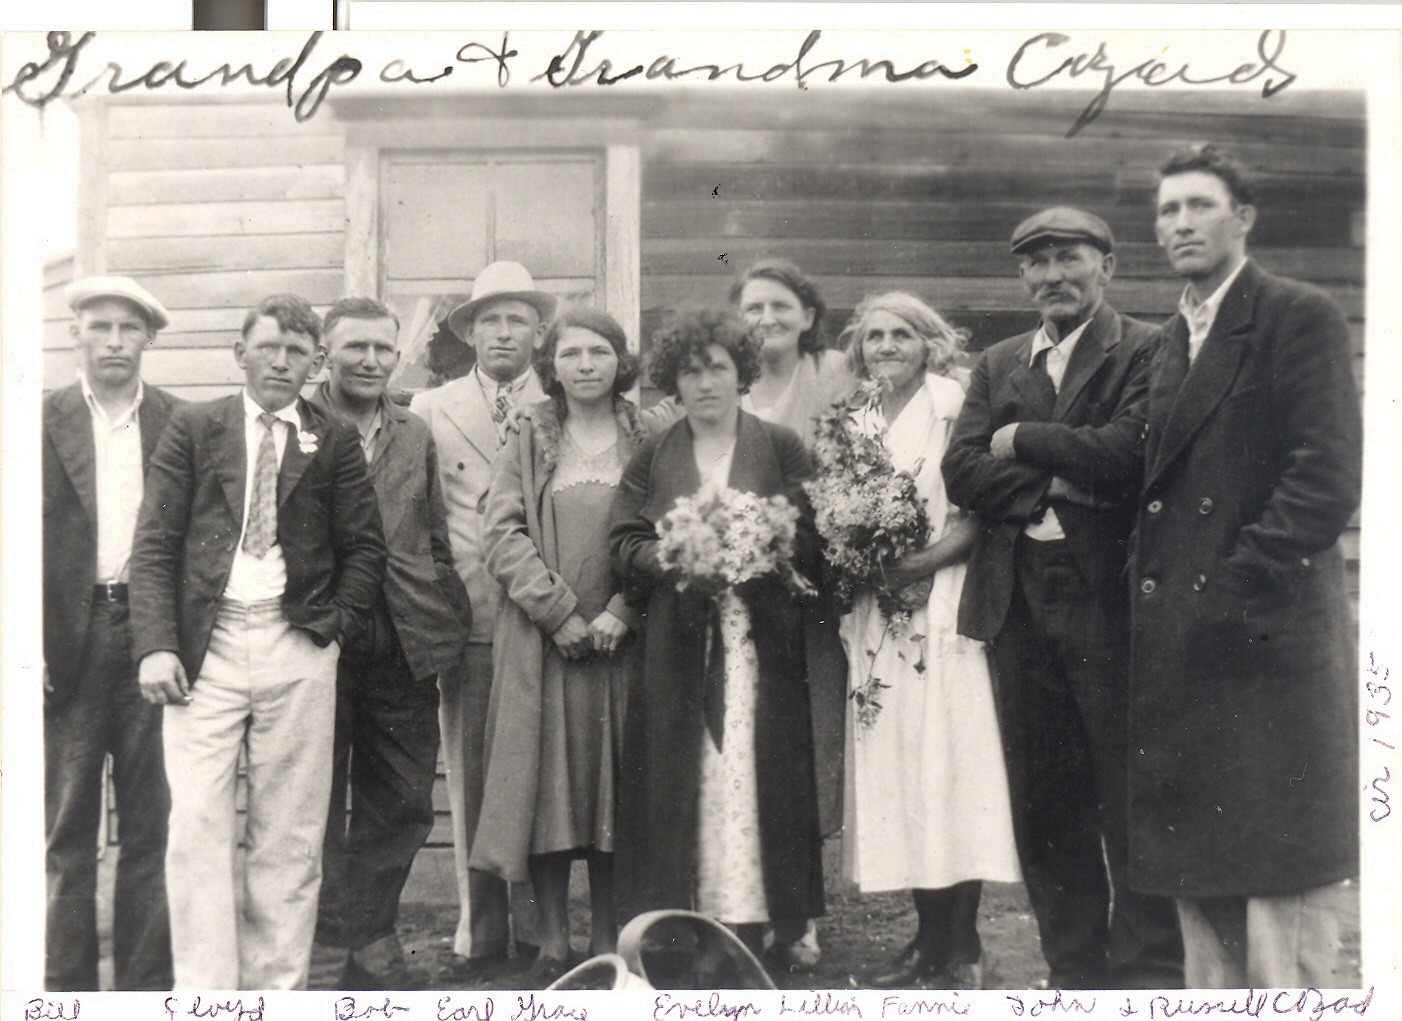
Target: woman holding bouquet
{"type": "Point", "coordinates": [717, 803]}
{"type": "Point", "coordinates": [562, 634]}
{"type": "Point", "coordinates": [928, 797]}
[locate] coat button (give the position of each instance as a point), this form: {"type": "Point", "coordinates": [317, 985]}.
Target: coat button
{"type": "Point", "coordinates": [229, 547]}
{"type": "Point", "coordinates": [461, 466]}
{"type": "Point", "coordinates": [1155, 506]}
{"type": "Point", "coordinates": [1147, 586]}
{"type": "Point", "coordinates": [1200, 583]}
{"type": "Point", "coordinates": [1304, 561]}
{"type": "Point", "coordinates": [1205, 506]}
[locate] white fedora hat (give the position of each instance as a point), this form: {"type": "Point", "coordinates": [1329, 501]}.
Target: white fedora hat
{"type": "Point", "coordinates": [502, 279]}
{"type": "Point", "coordinates": [80, 292]}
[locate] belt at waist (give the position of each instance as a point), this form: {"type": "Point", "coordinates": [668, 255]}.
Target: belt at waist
{"type": "Point", "coordinates": [110, 591]}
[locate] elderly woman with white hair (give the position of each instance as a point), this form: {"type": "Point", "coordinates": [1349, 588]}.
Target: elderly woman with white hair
{"type": "Point", "coordinates": [928, 796]}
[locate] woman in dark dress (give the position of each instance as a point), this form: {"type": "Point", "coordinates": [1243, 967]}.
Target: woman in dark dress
{"type": "Point", "coordinates": [717, 801]}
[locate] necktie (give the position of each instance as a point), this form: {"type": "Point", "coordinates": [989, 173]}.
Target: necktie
{"type": "Point", "coordinates": [502, 404]}
{"type": "Point", "coordinates": [262, 508]}
{"type": "Point", "coordinates": [1046, 389]}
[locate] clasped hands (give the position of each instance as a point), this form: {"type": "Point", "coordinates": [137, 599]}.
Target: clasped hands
{"type": "Point", "coordinates": [576, 638]}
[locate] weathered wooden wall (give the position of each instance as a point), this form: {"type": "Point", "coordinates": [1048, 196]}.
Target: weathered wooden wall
{"type": "Point", "coordinates": [214, 205]}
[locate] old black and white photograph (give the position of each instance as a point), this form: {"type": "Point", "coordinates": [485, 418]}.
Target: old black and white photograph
{"type": "Point", "coordinates": [701, 519]}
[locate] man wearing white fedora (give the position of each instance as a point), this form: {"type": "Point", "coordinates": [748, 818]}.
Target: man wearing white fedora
{"type": "Point", "coordinates": [504, 321]}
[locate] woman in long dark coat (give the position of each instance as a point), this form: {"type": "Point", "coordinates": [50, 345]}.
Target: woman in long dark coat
{"type": "Point", "coordinates": [680, 719]}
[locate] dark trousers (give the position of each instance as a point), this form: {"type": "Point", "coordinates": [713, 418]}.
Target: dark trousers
{"type": "Point", "coordinates": [106, 714]}
{"type": "Point", "coordinates": [386, 751]}
{"type": "Point", "coordinates": [1061, 667]}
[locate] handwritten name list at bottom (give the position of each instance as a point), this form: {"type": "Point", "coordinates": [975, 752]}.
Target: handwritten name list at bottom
{"type": "Point", "coordinates": [656, 1005]}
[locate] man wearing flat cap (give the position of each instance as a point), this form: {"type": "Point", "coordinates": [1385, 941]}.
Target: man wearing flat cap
{"type": "Point", "coordinates": [503, 321]}
{"type": "Point", "coordinates": [99, 433]}
{"type": "Point", "coordinates": [1048, 452]}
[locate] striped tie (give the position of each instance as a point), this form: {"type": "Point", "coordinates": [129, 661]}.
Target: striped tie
{"type": "Point", "coordinates": [262, 509]}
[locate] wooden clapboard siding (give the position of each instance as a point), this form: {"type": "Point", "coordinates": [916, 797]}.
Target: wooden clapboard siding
{"type": "Point", "coordinates": [212, 205]}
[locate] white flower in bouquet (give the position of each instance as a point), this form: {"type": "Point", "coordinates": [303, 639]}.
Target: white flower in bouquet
{"type": "Point", "coordinates": [721, 538]}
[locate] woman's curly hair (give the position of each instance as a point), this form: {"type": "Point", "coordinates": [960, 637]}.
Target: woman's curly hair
{"type": "Point", "coordinates": [686, 337]}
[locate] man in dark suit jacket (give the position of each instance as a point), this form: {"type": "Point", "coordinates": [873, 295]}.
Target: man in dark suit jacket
{"type": "Point", "coordinates": [258, 551]}
{"type": "Point", "coordinates": [1048, 453]}
{"type": "Point", "coordinates": [387, 681]}
{"type": "Point", "coordinates": [98, 437]}
{"type": "Point", "coordinates": [1243, 713]}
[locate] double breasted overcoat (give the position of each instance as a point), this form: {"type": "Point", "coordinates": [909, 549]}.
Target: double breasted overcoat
{"type": "Point", "coordinates": [1243, 730]}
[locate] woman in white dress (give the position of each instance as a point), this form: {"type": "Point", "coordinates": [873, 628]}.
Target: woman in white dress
{"type": "Point", "coordinates": [927, 795]}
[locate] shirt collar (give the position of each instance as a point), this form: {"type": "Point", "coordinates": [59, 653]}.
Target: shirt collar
{"type": "Point", "coordinates": [490, 385]}
{"type": "Point", "coordinates": [1204, 315]}
{"type": "Point", "coordinates": [1042, 341]}
{"type": "Point", "coordinates": [289, 414]}
{"type": "Point", "coordinates": [97, 408]}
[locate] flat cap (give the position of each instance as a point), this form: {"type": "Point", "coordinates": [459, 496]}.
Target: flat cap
{"type": "Point", "coordinates": [1062, 223]}
{"type": "Point", "coordinates": [80, 292]}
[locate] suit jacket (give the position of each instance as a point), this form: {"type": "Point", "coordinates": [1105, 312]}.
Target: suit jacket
{"type": "Point", "coordinates": [192, 516]}
{"type": "Point", "coordinates": [70, 522]}
{"type": "Point", "coordinates": [1091, 435]}
{"type": "Point", "coordinates": [1244, 697]}
{"type": "Point", "coordinates": [423, 600]}
{"type": "Point", "coordinates": [460, 418]}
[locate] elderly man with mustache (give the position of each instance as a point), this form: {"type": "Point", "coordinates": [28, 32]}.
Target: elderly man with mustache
{"type": "Point", "coordinates": [1048, 452]}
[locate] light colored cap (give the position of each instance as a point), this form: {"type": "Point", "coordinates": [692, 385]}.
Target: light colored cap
{"type": "Point", "coordinates": [500, 280]}
{"type": "Point", "coordinates": [80, 292]}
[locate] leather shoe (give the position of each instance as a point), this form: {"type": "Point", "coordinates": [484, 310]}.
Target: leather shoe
{"type": "Point", "coordinates": [467, 971]}
{"type": "Point", "coordinates": [544, 971]}
{"type": "Point", "coordinates": [911, 970]}
{"type": "Point", "coordinates": [961, 975]}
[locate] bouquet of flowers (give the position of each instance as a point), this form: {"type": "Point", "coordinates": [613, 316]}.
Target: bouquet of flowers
{"type": "Point", "coordinates": [868, 514]}
{"type": "Point", "coordinates": [721, 538]}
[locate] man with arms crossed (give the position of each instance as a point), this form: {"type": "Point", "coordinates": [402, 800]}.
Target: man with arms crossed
{"type": "Point", "coordinates": [98, 437]}
{"type": "Point", "coordinates": [504, 322]}
{"type": "Point", "coordinates": [1048, 453]}
{"type": "Point", "coordinates": [387, 680]}
{"type": "Point", "coordinates": [257, 553]}
{"type": "Point", "coordinates": [1243, 731]}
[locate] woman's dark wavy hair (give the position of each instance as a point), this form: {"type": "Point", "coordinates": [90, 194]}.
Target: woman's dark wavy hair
{"type": "Point", "coordinates": [596, 321]}
{"type": "Point", "coordinates": [685, 338]}
{"type": "Point", "coordinates": [786, 274]}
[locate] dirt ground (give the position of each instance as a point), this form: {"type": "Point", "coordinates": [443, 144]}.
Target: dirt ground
{"type": "Point", "coordinates": [859, 935]}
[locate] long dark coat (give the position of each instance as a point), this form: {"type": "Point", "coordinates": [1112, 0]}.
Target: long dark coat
{"type": "Point", "coordinates": [655, 863]}
{"type": "Point", "coordinates": [1243, 730]}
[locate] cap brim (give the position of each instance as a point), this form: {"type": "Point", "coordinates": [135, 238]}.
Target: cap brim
{"type": "Point", "coordinates": [1053, 237]}
{"type": "Point", "coordinates": [156, 316]}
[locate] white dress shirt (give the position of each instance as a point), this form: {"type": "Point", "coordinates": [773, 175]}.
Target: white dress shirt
{"type": "Point", "coordinates": [1058, 357]}
{"type": "Point", "coordinates": [1201, 317]}
{"type": "Point", "coordinates": [120, 482]}
{"type": "Point", "coordinates": [255, 579]}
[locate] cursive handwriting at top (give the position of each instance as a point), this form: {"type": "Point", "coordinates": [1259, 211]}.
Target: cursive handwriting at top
{"type": "Point", "coordinates": [665, 67]}
{"type": "Point", "coordinates": [1153, 72]}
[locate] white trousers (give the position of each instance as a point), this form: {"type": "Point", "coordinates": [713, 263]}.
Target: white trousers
{"type": "Point", "coordinates": [1288, 942]}
{"type": "Point", "coordinates": [265, 687]}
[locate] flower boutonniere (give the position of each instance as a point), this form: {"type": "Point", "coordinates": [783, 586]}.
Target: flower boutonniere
{"type": "Point", "coordinates": [306, 442]}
